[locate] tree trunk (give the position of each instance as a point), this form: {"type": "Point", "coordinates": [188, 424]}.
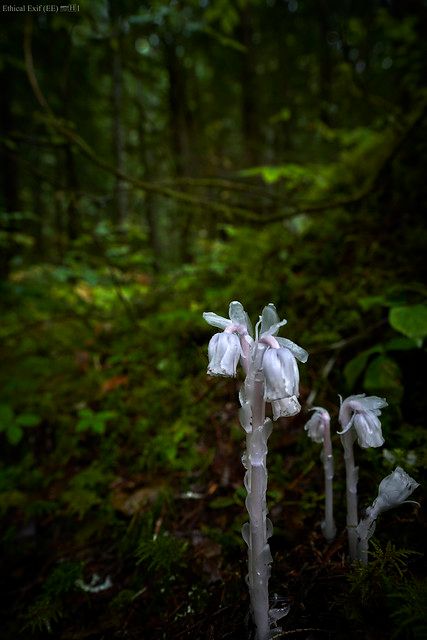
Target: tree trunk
{"type": "Point", "coordinates": [249, 96]}
{"type": "Point", "coordinates": [152, 216]}
{"type": "Point", "coordinates": [325, 65]}
{"type": "Point", "coordinates": [73, 226]}
{"type": "Point", "coordinates": [9, 171]}
{"type": "Point", "coordinates": [179, 138]}
{"type": "Point", "coordinates": [121, 195]}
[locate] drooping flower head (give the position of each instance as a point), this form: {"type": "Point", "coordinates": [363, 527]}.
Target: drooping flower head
{"type": "Point", "coordinates": [224, 352]}
{"type": "Point", "coordinates": [362, 413]}
{"type": "Point", "coordinates": [279, 366]}
{"type": "Point", "coordinates": [226, 348]}
{"type": "Point", "coordinates": [393, 491]}
{"type": "Point", "coordinates": [274, 356]}
{"type": "Point", "coordinates": [317, 424]}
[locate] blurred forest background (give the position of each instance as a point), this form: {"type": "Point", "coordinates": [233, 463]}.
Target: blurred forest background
{"type": "Point", "coordinates": [159, 160]}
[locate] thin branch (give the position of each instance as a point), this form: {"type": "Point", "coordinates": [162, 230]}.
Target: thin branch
{"type": "Point", "coordinates": [345, 342]}
{"type": "Point", "coordinates": [221, 183]}
{"type": "Point", "coordinates": [29, 64]}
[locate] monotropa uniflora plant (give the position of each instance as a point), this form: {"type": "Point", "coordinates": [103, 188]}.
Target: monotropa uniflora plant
{"type": "Point", "coordinates": [271, 375]}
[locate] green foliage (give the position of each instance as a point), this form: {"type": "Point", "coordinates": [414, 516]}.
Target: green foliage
{"type": "Point", "coordinates": [162, 553]}
{"type": "Point", "coordinates": [411, 320]}
{"type": "Point", "coordinates": [95, 421]}
{"type": "Point", "coordinates": [12, 425]}
{"type": "Point", "coordinates": [383, 376]}
{"type": "Point", "coordinates": [86, 490]}
{"type": "Point", "coordinates": [375, 586]}
{"type": "Point", "coordinates": [50, 606]}
{"type": "Point", "coordinates": [410, 606]}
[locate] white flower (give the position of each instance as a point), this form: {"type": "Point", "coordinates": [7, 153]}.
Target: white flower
{"type": "Point", "coordinates": [316, 425]}
{"type": "Point", "coordinates": [362, 413]}
{"type": "Point", "coordinates": [281, 374]}
{"type": "Point", "coordinates": [224, 352]}
{"type": "Point", "coordinates": [281, 381]}
{"type": "Point", "coordinates": [233, 343]}
{"type": "Point", "coordinates": [276, 357]}
{"type": "Point", "coordinates": [393, 491]}
{"type": "Point", "coordinates": [279, 365]}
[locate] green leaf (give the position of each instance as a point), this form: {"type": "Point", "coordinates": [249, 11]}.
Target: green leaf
{"type": "Point", "coordinates": [84, 423]}
{"type": "Point", "coordinates": [106, 415]}
{"type": "Point", "coordinates": [98, 425]}
{"type": "Point", "coordinates": [355, 367]}
{"type": "Point", "coordinates": [222, 502]}
{"type": "Point", "coordinates": [368, 302]}
{"type": "Point", "coordinates": [85, 413]}
{"type": "Point", "coordinates": [6, 416]}
{"type": "Point", "coordinates": [28, 420]}
{"type": "Point", "coordinates": [411, 320]}
{"type": "Point", "coordinates": [383, 375]}
{"type": "Point", "coordinates": [400, 343]}
{"type": "Point", "coordinates": [14, 434]}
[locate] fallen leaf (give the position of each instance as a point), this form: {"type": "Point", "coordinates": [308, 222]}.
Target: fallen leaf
{"type": "Point", "coordinates": [113, 383]}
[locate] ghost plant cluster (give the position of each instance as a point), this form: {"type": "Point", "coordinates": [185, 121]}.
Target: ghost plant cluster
{"type": "Point", "coordinates": [359, 417]}
{"type": "Point", "coordinates": [269, 363]}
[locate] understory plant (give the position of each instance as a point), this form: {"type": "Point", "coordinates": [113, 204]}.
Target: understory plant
{"type": "Point", "coordinates": [393, 491]}
{"type": "Point", "coordinates": [318, 429]}
{"type": "Point", "coordinates": [271, 375]}
{"type": "Point", "coordinates": [359, 419]}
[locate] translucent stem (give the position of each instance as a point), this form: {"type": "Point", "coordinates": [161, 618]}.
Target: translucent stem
{"type": "Point", "coordinates": [328, 525]}
{"type": "Point", "coordinates": [259, 557]}
{"type": "Point", "coordinates": [351, 472]}
{"type": "Point", "coordinates": [365, 530]}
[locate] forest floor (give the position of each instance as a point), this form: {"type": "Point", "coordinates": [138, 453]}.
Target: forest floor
{"type": "Point", "coordinates": [122, 499]}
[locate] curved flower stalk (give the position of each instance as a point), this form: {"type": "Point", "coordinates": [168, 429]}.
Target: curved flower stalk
{"type": "Point", "coordinates": [318, 429]}
{"type": "Point", "coordinates": [359, 418]}
{"type": "Point", "coordinates": [393, 491]}
{"type": "Point", "coordinates": [271, 375]}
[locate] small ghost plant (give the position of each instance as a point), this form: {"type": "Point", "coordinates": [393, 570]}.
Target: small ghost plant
{"type": "Point", "coordinates": [359, 418]}
{"type": "Point", "coordinates": [318, 429]}
{"type": "Point", "coordinates": [270, 367]}
{"type": "Point", "coordinates": [393, 491]}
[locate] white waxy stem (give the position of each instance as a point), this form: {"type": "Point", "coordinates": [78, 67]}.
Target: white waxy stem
{"type": "Point", "coordinates": [351, 478]}
{"type": "Point", "coordinates": [259, 557]}
{"type": "Point", "coordinates": [318, 428]}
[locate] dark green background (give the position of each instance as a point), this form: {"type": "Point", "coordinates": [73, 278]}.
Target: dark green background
{"type": "Point", "coordinates": [159, 160]}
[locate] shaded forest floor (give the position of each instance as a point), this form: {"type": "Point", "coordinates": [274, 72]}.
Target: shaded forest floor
{"type": "Point", "coordinates": [161, 563]}
{"type": "Point", "coordinates": [121, 484]}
